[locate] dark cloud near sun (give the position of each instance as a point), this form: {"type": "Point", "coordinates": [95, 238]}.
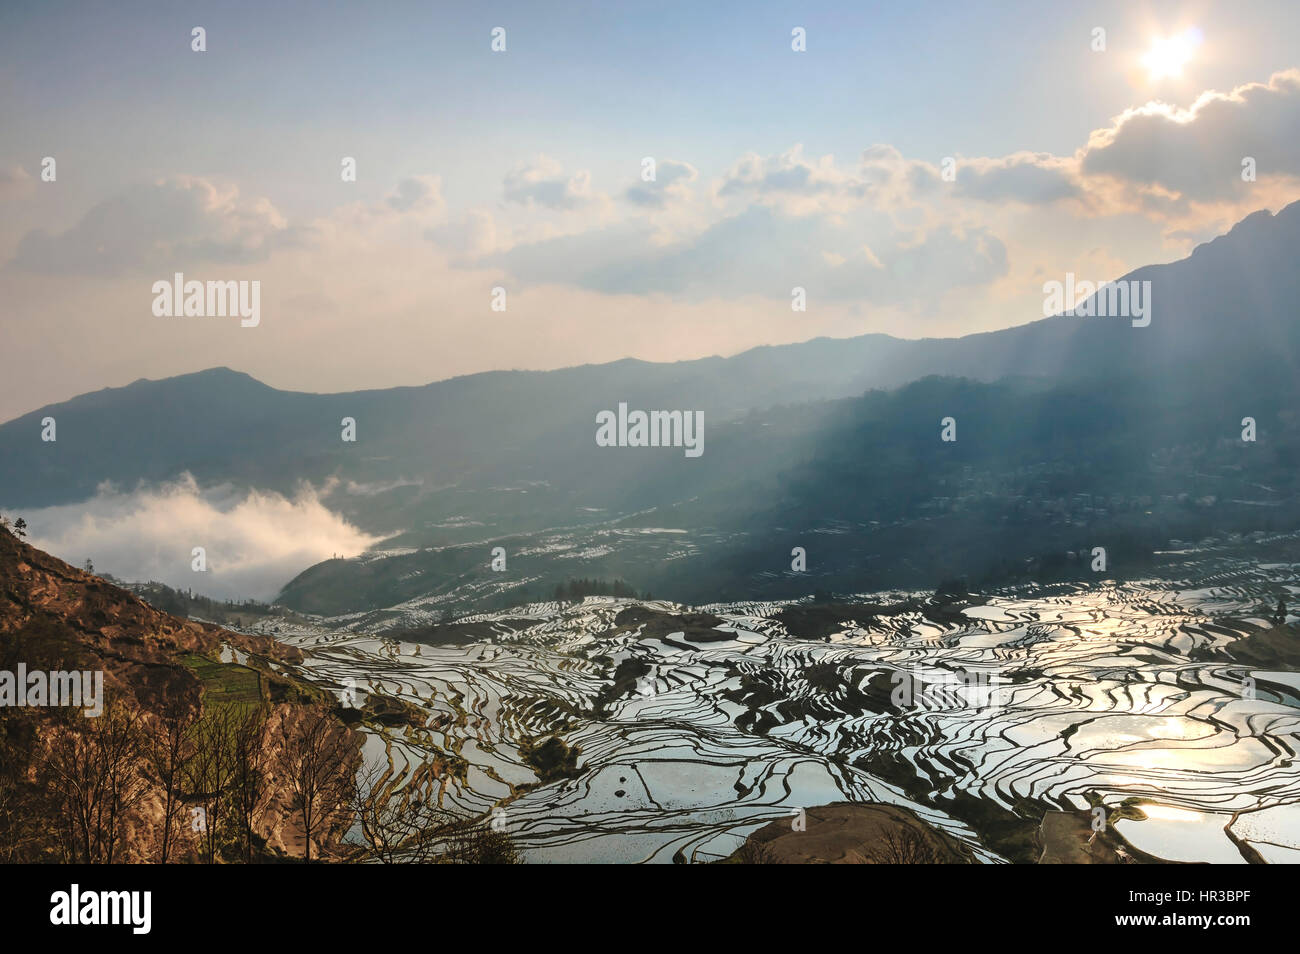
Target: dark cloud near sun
{"type": "Point", "coordinates": [1198, 152]}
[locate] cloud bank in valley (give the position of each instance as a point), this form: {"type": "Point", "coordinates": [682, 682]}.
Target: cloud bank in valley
{"type": "Point", "coordinates": [254, 541]}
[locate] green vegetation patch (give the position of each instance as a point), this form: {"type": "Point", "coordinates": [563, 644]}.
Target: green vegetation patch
{"type": "Point", "coordinates": [225, 683]}
{"type": "Point", "coordinates": [551, 759]}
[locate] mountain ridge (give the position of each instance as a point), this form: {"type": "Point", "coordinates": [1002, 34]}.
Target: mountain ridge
{"type": "Point", "coordinates": [791, 441]}
{"type": "Point", "coordinates": [1250, 225]}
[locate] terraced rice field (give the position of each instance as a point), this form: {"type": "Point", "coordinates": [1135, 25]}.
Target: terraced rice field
{"type": "Point", "coordinates": [691, 737]}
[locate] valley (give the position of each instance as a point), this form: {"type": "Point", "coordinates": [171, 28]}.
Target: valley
{"type": "Point", "coordinates": [690, 731]}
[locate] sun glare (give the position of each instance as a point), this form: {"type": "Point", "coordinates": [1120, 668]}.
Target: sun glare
{"type": "Point", "coordinates": [1168, 55]}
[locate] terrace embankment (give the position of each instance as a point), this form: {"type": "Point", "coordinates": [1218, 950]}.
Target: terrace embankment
{"type": "Point", "coordinates": [851, 833]}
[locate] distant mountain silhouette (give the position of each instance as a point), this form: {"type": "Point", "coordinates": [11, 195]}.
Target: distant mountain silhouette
{"type": "Point", "coordinates": [1228, 308]}
{"type": "Point", "coordinates": [789, 440]}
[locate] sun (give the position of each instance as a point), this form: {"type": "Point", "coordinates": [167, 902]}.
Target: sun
{"type": "Point", "coordinates": [1168, 55]}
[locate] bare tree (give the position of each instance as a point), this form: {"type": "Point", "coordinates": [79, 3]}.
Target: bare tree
{"type": "Point", "coordinates": [122, 741]}
{"type": "Point", "coordinates": [249, 775]}
{"type": "Point", "coordinates": [208, 774]}
{"type": "Point", "coordinates": [399, 823]}
{"type": "Point", "coordinates": [95, 779]}
{"type": "Point", "coordinates": [473, 842]}
{"type": "Point", "coordinates": [26, 821]}
{"type": "Point", "coordinates": [403, 824]}
{"type": "Point", "coordinates": [906, 846]}
{"type": "Point", "coordinates": [169, 756]}
{"type": "Point", "coordinates": [74, 787]}
{"type": "Point", "coordinates": [316, 756]}
{"type": "Point", "coordinates": [754, 852]}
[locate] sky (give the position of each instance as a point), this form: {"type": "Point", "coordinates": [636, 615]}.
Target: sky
{"type": "Point", "coordinates": [918, 169]}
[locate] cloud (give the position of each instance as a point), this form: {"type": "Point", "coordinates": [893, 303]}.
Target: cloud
{"type": "Point", "coordinates": [792, 182]}
{"type": "Point", "coordinates": [765, 251]}
{"type": "Point", "coordinates": [417, 194]}
{"type": "Point", "coordinates": [1197, 153]}
{"type": "Point", "coordinates": [1027, 177]}
{"type": "Point", "coordinates": [785, 220]}
{"type": "Point", "coordinates": [373, 488]}
{"type": "Point", "coordinates": [255, 542]}
{"type": "Point", "coordinates": [175, 222]}
{"type": "Point", "coordinates": [671, 183]}
{"type": "Point", "coordinates": [16, 183]}
{"type": "Point", "coordinates": [879, 240]}
{"type": "Point", "coordinates": [1152, 159]}
{"type": "Point", "coordinates": [471, 235]}
{"type": "Point", "coordinates": [542, 182]}
{"type": "Point", "coordinates": [883, 179]}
